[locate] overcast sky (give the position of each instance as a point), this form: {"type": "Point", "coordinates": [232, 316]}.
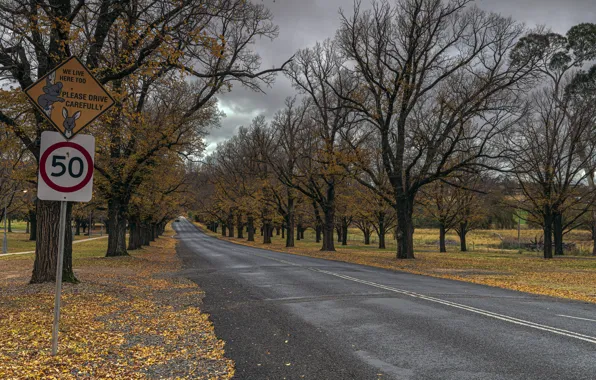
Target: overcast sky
{"type": "Point", "coordinates": [304, 22]}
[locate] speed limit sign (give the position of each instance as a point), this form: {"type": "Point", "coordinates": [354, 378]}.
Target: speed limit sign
{"type": "Point", "coordinates": [66, 168]}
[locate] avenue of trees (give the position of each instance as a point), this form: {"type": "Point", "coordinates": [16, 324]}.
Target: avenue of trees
{"type": "Point", "coordinates": [418, 112]}
{"type": "Point", "coordinates": [163, 62]}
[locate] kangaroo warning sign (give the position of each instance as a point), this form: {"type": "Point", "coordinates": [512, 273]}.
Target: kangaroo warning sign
{"type": "Point", "coordinates": [70, 97]}
{"type": "Point", "coordinates": [65, 168]}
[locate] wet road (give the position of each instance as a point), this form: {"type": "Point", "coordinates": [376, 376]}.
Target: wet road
{"type": "Point", "coordinates": [286, 316]}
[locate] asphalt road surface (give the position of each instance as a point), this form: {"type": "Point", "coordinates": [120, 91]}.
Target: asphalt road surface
{"type": "Point", "coordinates": [292, 317]}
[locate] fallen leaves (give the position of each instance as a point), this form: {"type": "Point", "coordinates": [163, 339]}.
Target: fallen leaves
{"type": "Point", "coordinates": [131, 317]}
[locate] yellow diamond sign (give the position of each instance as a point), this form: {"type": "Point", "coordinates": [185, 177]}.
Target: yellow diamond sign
{"type": "Point", "coordinates": [69, 97]}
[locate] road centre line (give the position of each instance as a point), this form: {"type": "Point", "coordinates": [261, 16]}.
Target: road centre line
{"type": "Point", "coordinates": [583, 319]}
{"type": "Point", "coordinates": [502, 317]}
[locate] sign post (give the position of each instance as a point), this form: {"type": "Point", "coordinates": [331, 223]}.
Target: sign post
{"type": "Point", "coordinates": [59, 266]}
{"type": "Point", "coordinates": [70, 98]}
{"type": "Point", "coordinates": [65, 174]}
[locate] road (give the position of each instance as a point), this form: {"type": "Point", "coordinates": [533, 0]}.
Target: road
{"type": "Point", "coordinates": [290, 317]}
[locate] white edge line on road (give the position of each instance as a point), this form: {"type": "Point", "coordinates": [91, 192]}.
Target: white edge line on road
{"type": "Point", "coordinates": [28, 252]}
{"type": "Point", "coordinates": [506, 318]}
{"type": "Point", "coordinates": [569, 316]}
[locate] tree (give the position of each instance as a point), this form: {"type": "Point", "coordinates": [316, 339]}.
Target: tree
{"type": "Point", "coordinates": [433, 78]}
{"type": "Point", "coordinates": [553, 150]}
{"type": "Point", "coordinates": [288, 131]}
{"type": "Point", "coordinates": [320, 169]}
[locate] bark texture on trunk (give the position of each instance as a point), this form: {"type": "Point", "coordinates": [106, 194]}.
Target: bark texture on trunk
{"type": "Point", "coordinates": [463, 231]}
{"type": "Point", "coordinates": [117, 227]}
{"type": "Point", "coordinates": [366, 233]}
{"type": "Point", "coordinates": [231, 226]}
{"type": "Point", "coordinates": [405, 227]}
{"type": "Point", "coordinates": [251, 228]}
{"type": "Point", "coordinates": [442, 233]}
{"type": "Point", "coordinates": [46, 247]}
{"type": "Point", "coordinates": [328, 227]}
{"type": "Point", "coordinates": [240, 226]}
{"type": "Point", "coordinates": [558, 233]}
{"type": "Point", "coordinates": [290, 224]}
{"type": "Point", "coordinates": [548, 234]}
{"type": "Point", "coordinates": [134, 234]}
{"type": "Point", "coordinates": [344, 231]}
{"type": "Point", "coordinates": [267, 231]}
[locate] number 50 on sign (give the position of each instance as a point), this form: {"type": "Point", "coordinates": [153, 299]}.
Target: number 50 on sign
{"type": "Point", "coordinates": [66, 168]}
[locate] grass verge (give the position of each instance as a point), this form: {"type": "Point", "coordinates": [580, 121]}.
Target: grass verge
{"type": "Point", "coordinates": [566, 277]}
{"type": "Point", "coordinates": [130, 317]}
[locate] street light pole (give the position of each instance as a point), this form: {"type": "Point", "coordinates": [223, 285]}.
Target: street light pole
{"type": "Point", "coordinates": [5, 240]}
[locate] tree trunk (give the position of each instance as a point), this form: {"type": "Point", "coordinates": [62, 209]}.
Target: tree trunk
{"type": "Point", "coordinates": [405, 227]}
{"type": "Point", "coordinates": [442, 233]}
{"type": "Point", "coordinates": [145, 235]}
{"type": "Point", "coordinates": [366, 232]}
{"type": "Point", "coordinates": [463, 230]}
{"type": "Point", "coordinates": [9, 224]}
{"type": "Point", "coordinates": [318, 222]}
{"type": "Point", "coordinates": [339, 231]}
{"type": "Point", "coordinates": [46, 246]}
{"type": "Point", "coordinates": [230, 226]}
{"type": "Point", "coordinates": [117, 228]}
{"type": "Point", "coordinates": [77, 227]}
{"type": "Point", "coordinates": [267, 231]}
{"type": "Point", "coordinates": [381, 235]}
{"type": "Point", "coordinates": [239, 226]}
{"type": "Point", "coordinates": [558, 233]}
{"type": "Point", "coordinates": [33, 230]}
{"type": "Point", "coordinates": [328, 227]}
{"type": "Point", "coordinates": [251, 228]}
{"type": "Point", "coordinates": [223, 230]}
{"type": "Point", "coordinates": [290, 223]}
{"type": "Point", "coordinates": [283, 231]}
{"type": "Point", "coordinates": [548, 234]}
{"type": "Point", "coordinates": [344, 231]}
{"type": "Point", "coordinates": [134, 235]}
{"type": "Point", "coordinates": [27, 228]}
{"type": "Point", "coordinates": [381, 230]}
{"type": "Point", "coordinates": [594, 232]}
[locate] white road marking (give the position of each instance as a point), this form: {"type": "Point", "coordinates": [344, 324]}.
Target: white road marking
{"type": "Point", "coordinates": [583, 319]}
{"type": "Point", "coordinates": [502, 317]}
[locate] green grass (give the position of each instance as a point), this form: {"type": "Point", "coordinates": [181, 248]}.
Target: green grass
{"type": "Point", "coordinates": [19, 242]}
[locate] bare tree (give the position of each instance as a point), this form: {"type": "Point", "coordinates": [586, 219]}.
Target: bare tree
{"type": "Point", "coordinates": [434, 78]}
{"type": "Point", "coordinates": [312, 72]}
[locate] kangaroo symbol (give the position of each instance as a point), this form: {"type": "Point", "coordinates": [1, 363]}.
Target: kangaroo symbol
{"type": "Point", "coordinates": [69, 122]}
{"type": "Point", "coordinates": [51, 94]}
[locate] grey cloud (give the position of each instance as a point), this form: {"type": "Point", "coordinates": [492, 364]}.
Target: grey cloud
{"type": "Point", "coordinates": [302, 23]}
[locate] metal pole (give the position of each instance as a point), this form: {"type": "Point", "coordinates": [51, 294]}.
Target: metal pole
{"type": "Point", "coordinates": [5, 240]}
{"type": "Point", "coordinates": [59, 265]}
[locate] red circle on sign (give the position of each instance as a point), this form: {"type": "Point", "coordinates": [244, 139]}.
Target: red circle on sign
{"type": "Point", "coordinates": [65, 189]}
